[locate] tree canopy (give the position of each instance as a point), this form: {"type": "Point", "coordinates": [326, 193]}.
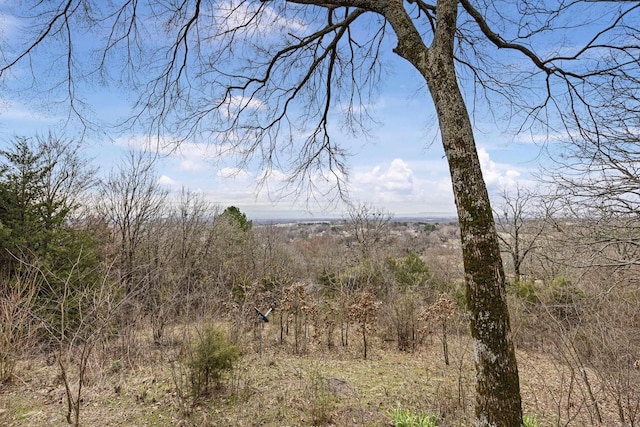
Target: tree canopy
{"type": "Point", "coordinates": [237, 218]}
{"type": "Point", "coordinates": [40, 182]}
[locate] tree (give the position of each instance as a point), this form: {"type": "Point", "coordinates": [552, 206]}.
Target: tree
{"type": "Point", "coordinates": [370, 229]}
{"type": "Point", "coordinates": [237, 218]}
{"type": "Point", "coordinates": [220, 64]}
{"type": "Point", "coordinates": [68, 177]}
{"type": "Point", "coordinates": [193, 241]}
{"type": "Point", "coordinates": [598, 185]}
{"type": "Point", "coordinates": [42, 180]}
{"type": "Point", "coordinates": [22, 192]}
{"type": "Point", "coordinates": [235, 251]}
{"type": "Point", "coordinates": [364, 312]}
{"type": "Point", "coordinates": [518, 227]}
{"type": "Point", "coordinates": [130, 200]}
{"type": "Point", "coordinates": [410, 271]}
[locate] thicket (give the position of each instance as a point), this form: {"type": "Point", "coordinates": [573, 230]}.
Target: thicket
{"type": "Point", "coordinates": [87, 263]}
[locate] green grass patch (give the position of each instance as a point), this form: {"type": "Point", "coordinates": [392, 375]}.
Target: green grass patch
{"type": "Point", "coordinates": [406, 418]}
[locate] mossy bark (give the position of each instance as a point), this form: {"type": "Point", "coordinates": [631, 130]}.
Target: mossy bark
{"type": "Point", "coordinates": [498, 401]}
{"type": "Point", "coordinates": [497, 390]}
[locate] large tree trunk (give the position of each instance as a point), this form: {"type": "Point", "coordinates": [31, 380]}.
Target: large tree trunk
{"type": "Point", "coordinates": [498, 401]}
{"type": "Point", "coordinates": [498, 389]}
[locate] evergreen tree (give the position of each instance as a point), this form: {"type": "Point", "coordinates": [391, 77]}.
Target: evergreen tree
{"type": "Point", "coordinates": [22, 203]}
{"type": "Point", "coordinates": [40, 181]}
{"type": "Point", "coordinates": [237, 218]}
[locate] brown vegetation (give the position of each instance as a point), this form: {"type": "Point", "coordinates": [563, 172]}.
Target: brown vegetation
{"type": "Point", "coordinates": [147, 306]}
{"type": "Point", "coordinates": [576, 335]}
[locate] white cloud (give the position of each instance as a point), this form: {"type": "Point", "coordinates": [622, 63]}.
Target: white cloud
{"type": "Point", "coordinates": [233, 173]}
{"type": "Point", "coordinates": [404, 187]}
{"type": "Point", "coordinates": [497, 175]}
{"type": "Point", "coordinates": [11, 110]}
{"type": "Point", "coordinates": [190, 165]}
{"type": "Point", "coordinates": [364, 108]}
{"type": "Point", "coordinates": [234, 104]}
{"type": "Point", "coordinates": [541, 138]}
{"type": "Point", "coordinates": [8, 24]}
{"type": "Point", "coordinates": [188, 156]}
{"type": "Point", "coordinates": [233, 14]}
{"type": "Point", "coordinates": [272, 175]}
{"type": "Point", "coordinates": [146, 143]}
{"type": "Point", "coordinates": [401, 186]}
{"type": "Point", "coordinates": [402, 190]}
{"type": "Point", "coordinates": [396, 179]}
{"type": "Point", "coordinates": [167, 181]}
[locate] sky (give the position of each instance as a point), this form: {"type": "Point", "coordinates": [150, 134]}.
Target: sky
{"type": "Point", "coordinates": [398, 167]}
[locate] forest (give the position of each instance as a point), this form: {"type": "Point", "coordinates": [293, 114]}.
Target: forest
{"type": "Point", "coordinates": [123, 304]}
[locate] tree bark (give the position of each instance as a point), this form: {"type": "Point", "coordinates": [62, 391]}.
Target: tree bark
{"type": "Point", "coordinates": [498, 401]}
{"type": "Point", "coordinates": [497, 389]}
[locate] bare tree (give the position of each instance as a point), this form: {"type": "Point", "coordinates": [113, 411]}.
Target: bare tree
{"type": "Point", "coordinates": [220, 64]}
{"type": "Point", "coordinates": [598, 182]}
{"type": "Point", "coordinates": [519, 225]}
{"type": "Point", "coordinates": [130, 199]}
{"type": "Point", "coordinates": [193, 243]}
{"type": "Point", "coordinates": [68, 177]}
{"type": "Point", "coordinates": [370, 229]}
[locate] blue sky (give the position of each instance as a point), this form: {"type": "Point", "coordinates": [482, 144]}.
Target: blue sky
{"type": "Point", "coordinates": [399, 168]}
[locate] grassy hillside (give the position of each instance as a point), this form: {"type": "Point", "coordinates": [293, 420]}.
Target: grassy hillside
{"type": "Point", "coordinates": [321, 387]}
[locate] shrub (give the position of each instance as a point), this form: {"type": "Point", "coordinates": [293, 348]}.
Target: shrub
{"type": "Point", "coordinates": [410, 272]}
{"type": "Point", "coordinates": [322, 399]}
{"type": "Point", "coordinates": [16, 303]}
{"type": "Point", "coordinates": [403, 313]}
{"type": "Point", "coordinates": [565, 299]}
{"type": "Point", "coordinates": [364, 311]}
{"type": "Point", "coordinates": [525, 290]}
{"type": "Point", "coordinates": [212, 355]}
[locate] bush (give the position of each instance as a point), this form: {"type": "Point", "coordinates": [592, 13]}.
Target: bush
{"type": "Point", "coordinates": [565, 299]}
{"type": "Point", "coordinates": [525, 290]}
{"type": "Point", "coordinates": [212, 355]}
{"type": "Point", "coordinates": [16, 303]}
{"type": "Point", "coordinates": [411, 272]}
{"type": "Point", "coordinates": [322, 399]}
{"type": "Point", "coordinates": [403, 313]}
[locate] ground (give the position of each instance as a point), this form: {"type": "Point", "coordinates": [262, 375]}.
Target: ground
{"type": "Point", "coordinates": [322, 387]}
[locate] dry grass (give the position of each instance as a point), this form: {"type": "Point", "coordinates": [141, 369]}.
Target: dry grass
{"type": "Point", "coordinates": [325, 387]}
